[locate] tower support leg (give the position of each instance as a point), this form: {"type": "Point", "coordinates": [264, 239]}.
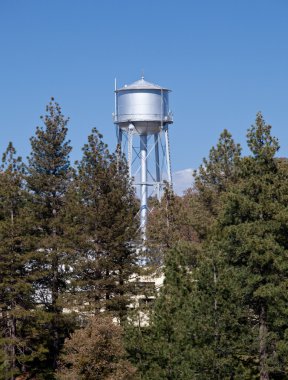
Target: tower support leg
{"type": "Point", "coordinates": [143, 192]}
{"type": "Point", "coordinates": [168, 160]}
{"type": "Point", "coordinates": [130, 148]}
{"type": "Point", "coordinates": [119, 146]}
{"type": "Point", "coordinates": [157, 162]}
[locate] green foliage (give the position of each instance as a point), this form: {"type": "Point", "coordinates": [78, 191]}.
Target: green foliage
{"type": "Point", "coordinates": [259, 139]}
{"type": "Point", "coordinates": [68, 243]}
{"type": "Point", "coordinates": [163, 350]}
{"type": "Point", "coordinates": [234, 296]}
{"type": "Point", "coordinates": [219, 168]}
{"type": "Point", "coordinates": [47, 181]}
{"type": "Point", "coordinates": [170, 225]}
{"type": "Point", "coordinates": [162, 229]}
{"type": "Point", "coordinates": [213, 178]}
{"type": "Point", "coordinates": [15, 281]}
{"type": "Point", "coordinates": [102, 210]}
{"type": "Point", "coordinates": [248, 258]}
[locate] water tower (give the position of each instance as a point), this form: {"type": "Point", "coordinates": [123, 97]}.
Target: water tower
{"type": "Point", "coordinates": [142, 117]}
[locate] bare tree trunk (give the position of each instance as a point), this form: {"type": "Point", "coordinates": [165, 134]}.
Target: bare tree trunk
{"type": "Point", "coordinates": [11, 320]}
{"type": "Point", "coordinates": [13, 351]}
{"type": "Point", "coordinates": [55, 297]}
{"type": "Point", "coordinates": [264, 374]}
{"type": "Point", "coordinates": [55, 310]}
{"type": "Point", "coordinates": [10, 351]}
{"type": "Point", "coordinates": [216, 329]}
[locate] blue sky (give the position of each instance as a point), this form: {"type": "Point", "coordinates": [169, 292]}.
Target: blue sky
{"type": "Point", "coordinates": [224, 60]}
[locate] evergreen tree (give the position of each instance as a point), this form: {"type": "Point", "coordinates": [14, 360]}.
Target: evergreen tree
{"type": "Point", "coordinates": [15, 289]}
{"type": "Point", "coordinates": [162, 229]}
{"type": "Point", "coordinates": [219, 169]}
{"type": "Point", "coordinates": [169, 226]}
{"type": "Point", "coordinates": [47, 180]}
{"type": "Point", "coordinates": [102, 217]}
{"type": "Point", "coordinates": [164, 349]}
{"type": "Point", "coordinates": [211, 180]}
{"type": "Point", "coordinates": [220, 324]}
{"type": "Point", "coordinates": [185, 221]}
{"type": "Point", "coordinates": [251, 267]}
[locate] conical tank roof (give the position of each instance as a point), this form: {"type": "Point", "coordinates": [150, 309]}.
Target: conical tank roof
{"type": "Point", "coordinates": [142, 84]}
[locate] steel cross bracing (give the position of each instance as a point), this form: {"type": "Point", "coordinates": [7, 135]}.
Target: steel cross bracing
{"type": "Point", "coordinates": [156, 147]}
{"type": "Point", "coordinates": [161, 165]}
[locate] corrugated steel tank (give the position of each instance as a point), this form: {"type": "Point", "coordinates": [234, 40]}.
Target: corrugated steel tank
{"type": "Point", "coordinates": [143, 104]}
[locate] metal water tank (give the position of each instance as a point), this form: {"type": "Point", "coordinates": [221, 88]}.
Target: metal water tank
{"type": "Point", "coordinates": [143, 104]}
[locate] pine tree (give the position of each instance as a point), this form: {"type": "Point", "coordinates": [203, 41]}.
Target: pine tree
{"type": "Point", "coordinates": [47, 180]}
{"type": "Point", "coordinates": [164, 349]}
{"type": "Point", "coordinates": [170, 225]}
{"type": "Point", "coordinates": [212, 179]}
{"type": "Point", "coordinates": [250, 256]}
{"type": "Point", "coordinates": [162, 230]}
{"type": "Point", "coordinates": [186, 221]}
{"type": "Point", "coordinates": [23, 340]}
{"type": "Point", "coordinates": [220, 324]}
{"type": "Point", "coordinates": [102, 218]}
{"type": "Point", "coordinates": [16, 292]}
{"type": "Point", "coordinates": [220, 168]}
